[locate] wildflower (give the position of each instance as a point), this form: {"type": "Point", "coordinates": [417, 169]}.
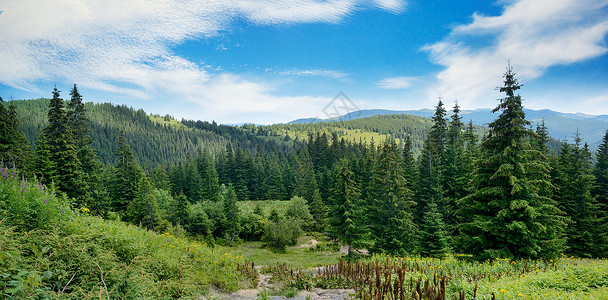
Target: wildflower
{"type": "Point", "coordinates": [503, 290]}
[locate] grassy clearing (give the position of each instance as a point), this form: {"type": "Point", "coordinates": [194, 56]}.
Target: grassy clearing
{"type": "Point", "coordinates": [297, 257]}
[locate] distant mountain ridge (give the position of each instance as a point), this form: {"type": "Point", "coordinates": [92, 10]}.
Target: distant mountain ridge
{"type": "Point", "coordinates": [561, 125]}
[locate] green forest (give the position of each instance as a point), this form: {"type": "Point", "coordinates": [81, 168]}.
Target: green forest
{"type": "Point", "coordinates": [101, 200]}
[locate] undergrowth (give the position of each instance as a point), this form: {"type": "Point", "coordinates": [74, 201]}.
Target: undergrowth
{"type": "Point", "coordinates": [48, 251]}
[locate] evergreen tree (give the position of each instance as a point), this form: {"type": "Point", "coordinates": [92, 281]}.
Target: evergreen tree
{"type": "Point", "coordinates": [80, 126]}
{"type": "Point", "coordinates": [431, 165]}
{"type": "Point", "coordinates": [58, 142]}
{"type": "Point", "coordinates": [306, 183]}
{"type": "Point", "coordinates": [391, 204]}
{"type": "Point", "coordinates": [410, 171]}
{"type": "Point", "coordinates": [127, 175]}
{"type": "Point", "coordinates": [456, 174]}
{"type": "Point", "coordinates": [318, 209]}
{"type": "Point", "coordinates": [231, 211]}
{"type": "Point", "coordinates": [433, 235]}
{"type": "Point", "coordinates": [144, 208]}
{"type": "Point", "coordinates": [345, 222]}
{"type": "Point", "coordinates": [574, 180]}
{"type": "Point", "coordinates": [600, 170]}
{"type": "Point", "coordinates": [209, 176]}
{"type": "Point", "coordinates": [506, 214]}
{"type": "Point", "coordinates": [14, 148]}
{"type": "Point", "coordinates": [542, 138]}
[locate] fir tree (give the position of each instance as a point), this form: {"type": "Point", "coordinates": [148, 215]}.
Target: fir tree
{"type": "Point", "coordinates": [144, 207]}
{"type": "Point", "coordinates": [506, 214]}
{"type": "Point", "coordinates": [318, 209]}
{"type": "Point", "coordinates": [600, 170]}
{"type": "Point", "coordinates": [433, 235]}
{"type": "Point", "coordinates": [391, 204]}
{"type": "Point", "coordinates": [306, 182]}
{"type": "Point", "coordinates": [456, 173]}
{"type": "Point", "coordinates": [431, 165]}
{"type": "Point", "coordinates": [410, 171]}
{"type": "Point", "coordinates": [127, 175]}
{"type": "Point", "coordinates": [574, 180]}
{"type": "Point", "coordinates": [14, 148]}
{"type": "Point", "coordinates": [231, 211]}
{"type": "Point", "coordinates": [346, 208]}
{"type": "Point", "coordinates": [80, 126]}
{"type": "Point", "coordinates": [58, 142]}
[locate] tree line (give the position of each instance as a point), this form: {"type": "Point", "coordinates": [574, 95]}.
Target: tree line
{"type": "Point", "coordinates": [502, 195]}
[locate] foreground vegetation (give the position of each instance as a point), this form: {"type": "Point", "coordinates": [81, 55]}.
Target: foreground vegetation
{"type": "Point", "coordinates": [453, 277]}
{"type": "Point", "coordinates": [49, 251]}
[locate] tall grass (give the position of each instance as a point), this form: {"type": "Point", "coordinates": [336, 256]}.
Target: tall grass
{"type": "Point", "coordinates": [48, 251]}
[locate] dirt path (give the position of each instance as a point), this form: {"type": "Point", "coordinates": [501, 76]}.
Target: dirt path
{"type": "Point", "coordinates": [264, 284]}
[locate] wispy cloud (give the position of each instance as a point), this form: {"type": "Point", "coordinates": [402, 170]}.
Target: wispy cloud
{"type": "Point", "coordinates": [125, 46]}
{"type": "Point", "coordinates": [533, 34]}
{"type": "Point", "coordinates": [316, 72]}
{"type": "Point", "coordinates": [396, 83]}
{"type": "Point", "coordinates": [396, 6]}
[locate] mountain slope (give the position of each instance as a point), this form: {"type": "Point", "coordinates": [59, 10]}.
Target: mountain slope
{"type": "Point", "coordinates": [154, 140]}
{"type": "Point", "coordinates": [561, 125]}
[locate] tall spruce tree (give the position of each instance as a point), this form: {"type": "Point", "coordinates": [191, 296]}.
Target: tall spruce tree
{"type": "Point", "coordinates": [346, 221]}
{"type": "Point", "coordinates": [506, 214]}
{"type": "Point", "coordinates": [59, 147]}
{"type": "Point", "coordinates": [574, 181]}
{"type": "Point", "coordinates": [456, 176]}
{"type": "Point", "coordinates": [600, 170]}
{"type": "Point", "coordinates": [391, 204]}
{"type": "Point", "coordinates": [14, 148]}
{"type": "Point", "coordinates": [127, 175]}
{"type": "Point", "coordinates": [80, 125]}
{"type": "Point", "coordinates": [431, 165]}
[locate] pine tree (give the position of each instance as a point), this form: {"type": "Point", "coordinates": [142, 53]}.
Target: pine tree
{"type": "Point", "coordinates": [433, 235]}
{"type": "Point", "coordinates": [431, 166]}
{"type": "Point", "coordinates": [345, 222]}
{"type": "Point", "coordinates": [600, 170]}
{"type": "Point", "coordinates": [144, 207]}
{"type": "Point", "coordinates": [58, 142]}
{"type": "Point", "coordinates": [574, 180]}
{"type": "Point", "coordinates": [410, 170]}
{"type": "Point", "coordinates": [80, 126]}
{"type": "Point", "coordinates": [318, 209]}
{"type": "Point", "coordinates": [455, 173]}
{"type": "Point", "coordinates": [306, 182]}
{"type": "Point", "coordinates": [231, 211]}
{"type": "Point", "coordinates": [14, 148]}
{"type": "Point", "coordinates": [391, 204]}
{"type": "Point", "coordinates": [542, 138]}
{"type": "Point", "coordinates": [127, 175]}
{"type": "Point", "coordinates": [506, 214]}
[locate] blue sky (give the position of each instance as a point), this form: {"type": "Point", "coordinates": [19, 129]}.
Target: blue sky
{"type": "Point", "coordinates": [268, 61]}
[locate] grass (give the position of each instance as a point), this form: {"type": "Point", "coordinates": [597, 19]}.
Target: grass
{"type": "Point", "coordinates": [565, 278]}
{"type": "Point", "coordinates": [51, 252]}
{"type": "Point", "coordinates": [296, 257]}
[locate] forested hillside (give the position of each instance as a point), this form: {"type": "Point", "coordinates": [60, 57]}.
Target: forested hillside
{"type": "Point", "coordinates": [155, 140]}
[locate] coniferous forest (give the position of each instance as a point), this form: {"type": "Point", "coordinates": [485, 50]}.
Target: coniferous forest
{"type": "Point", "coordinates": [436, 189]}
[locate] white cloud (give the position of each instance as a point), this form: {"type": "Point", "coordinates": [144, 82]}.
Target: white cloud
{"type": "Point", "coordinates": [533, 34]}
{"type": "Point", "coordinates": [124, 46]}
{"type": "Point", "coordinates": [396, 6]}
{"type": "Point", "coordinates": [316, 72]}
{"type": "Point", "coordinates": [396, 83]}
